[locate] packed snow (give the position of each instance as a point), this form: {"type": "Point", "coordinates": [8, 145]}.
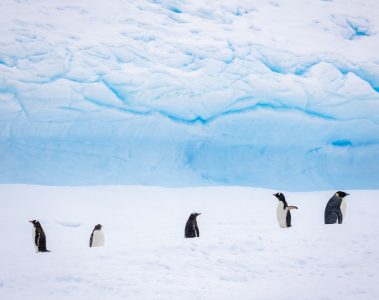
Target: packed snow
{"type": "Point", "coordinates": [241, 253]}
{"type": "Point", "coordinates": [277, 94]}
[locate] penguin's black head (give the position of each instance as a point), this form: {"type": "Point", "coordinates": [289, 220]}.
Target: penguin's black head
{"type": "Point", "coordinates": [341, 194]}
{"type": "Point", "coordinates": [35, 223]}
{"type": "Point", "coordinates": [280, 196]}
{"type": "Point", "coordinates": [98, 227]}
{"type": "Point", "coordinates": [194, 215]}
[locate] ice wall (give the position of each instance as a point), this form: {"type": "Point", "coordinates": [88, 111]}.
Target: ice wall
{"type": "Point", "coordinates": [276, 94]}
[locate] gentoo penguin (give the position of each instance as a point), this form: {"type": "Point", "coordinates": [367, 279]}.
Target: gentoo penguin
{"type": "Point", "coordinates": [283, 211]}
{"type": "Point", "coordinates": [97, 237]}
{"type": "Point", "coordinates": [335, 210]}
{"type": "Point", "coordinates": [191, 229]}
{"type": "Point", "coordinates": [39, 237]}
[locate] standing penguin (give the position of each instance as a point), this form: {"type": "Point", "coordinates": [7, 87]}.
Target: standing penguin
{"type": "Point", "coordinates": [39, 237]}
{"type": "Point", "coordinates": [191, 230]}
{"type": "Point", "coordinates": [97, 237]}
{"type": "Point", "coordinates": [283, 211]}
{"type": "Point", "coordinates": [335, 210]}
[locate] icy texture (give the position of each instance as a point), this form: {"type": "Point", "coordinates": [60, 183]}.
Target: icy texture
{"type": "Point", "coordinates": [262, 93]}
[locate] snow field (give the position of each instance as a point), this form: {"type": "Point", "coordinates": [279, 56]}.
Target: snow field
{"type": "Point", "coordinates": [241, 253]}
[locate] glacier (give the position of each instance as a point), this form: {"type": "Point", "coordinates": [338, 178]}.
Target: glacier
{"type": "Point", "coordinates": [274, 94]}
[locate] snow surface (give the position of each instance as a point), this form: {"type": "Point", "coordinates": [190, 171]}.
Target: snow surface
{"type": "Point", "coordinates": [241, 253]}
{"type": "Point", "coordinates": [280, 94]}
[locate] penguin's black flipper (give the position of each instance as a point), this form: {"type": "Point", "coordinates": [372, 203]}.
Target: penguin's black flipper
{"type": "Point", "coordinates": [197, 230]}
{"type": "Point", "coordinates": [36, 238]}
{"type": "Point", "coordinates": [288, 219]}
{"type": "Point", "coordinates": [90, 240]}
{"type": "Point", "coordinates": [339, 216]}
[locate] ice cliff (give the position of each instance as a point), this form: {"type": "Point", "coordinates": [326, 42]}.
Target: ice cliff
{"type": "Point", "coordinates": [279, 94]}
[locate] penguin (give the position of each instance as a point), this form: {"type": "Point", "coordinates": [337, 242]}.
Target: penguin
{"type": "Point", "coordinates": [39, 237]}
{"type": "Point", "coordinates": [97, 237]}
{"type": "Point", "coordinates": [283, 211]}
{"type": "Point", "coordinates": [191, 230]}
{"type": "Point", "coordinates": [335, 210]}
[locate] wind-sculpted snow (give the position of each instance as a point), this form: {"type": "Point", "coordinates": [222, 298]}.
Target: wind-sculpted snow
{"type": "Point", "coordinates": [275, 94]}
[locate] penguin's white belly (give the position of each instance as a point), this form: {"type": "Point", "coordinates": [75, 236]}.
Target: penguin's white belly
{"type": "Point", "coordinates": [98, 238]}
{"type": "Point", "coordinates": [343, 209]}
{"type": "Point", "coordinates": [34, 239]}
{"type": "Point", "coordinates": [282, 215]}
